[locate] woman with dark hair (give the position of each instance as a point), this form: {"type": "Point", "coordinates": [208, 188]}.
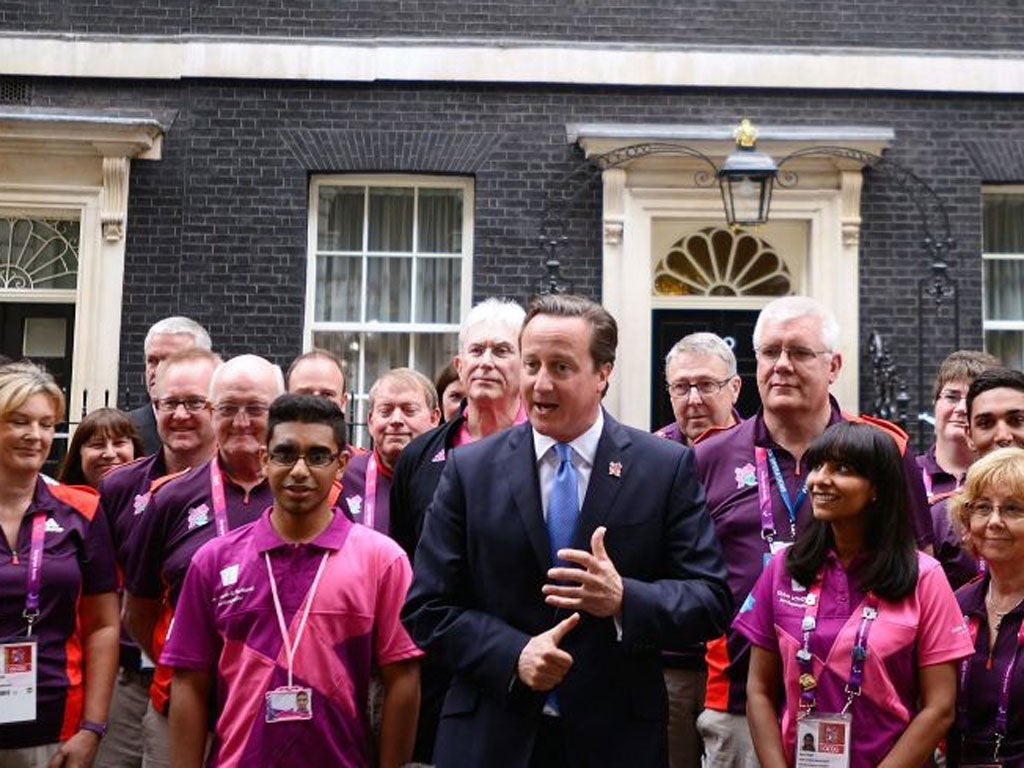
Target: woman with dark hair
{"type": "Point", "coordinates": [450, 392]}
{"type": "Point", "coordinates": [105, 439]}
{"type": "Point", "coordinates": [859, 629]}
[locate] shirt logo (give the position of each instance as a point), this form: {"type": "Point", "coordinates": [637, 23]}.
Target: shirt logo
{"type": "Point", "coordinates": [439, 456]}
{"type": "Point", "coordinates": [746, 476]}
{"type": "Point", "coordinates": [198, 516]}
{"type": "Point", "coordinates": [52, 526]}
{"type": "Point", "coordinates": [229, 575]}
{"type": "Point", "coordinates": [355, 505]}
{"type": "Point", "coordinates": [140, 503]}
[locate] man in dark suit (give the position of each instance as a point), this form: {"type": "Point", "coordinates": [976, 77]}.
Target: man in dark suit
{"type": "Point", "coordinates": [552, 613]}
{"type": "Point", "coordinates": [164, 338]}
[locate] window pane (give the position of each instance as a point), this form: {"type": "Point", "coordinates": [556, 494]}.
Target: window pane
{"type": "Point", "coordinates": [1008, 346]}
{"type": "Point", "coordinates": [438, 290]}
{"type": "Point", "coordinates": [389, 289]}
{"type": "Point", "coordinates": [1004, 289]}
{"type": "Point", "coordinates": [391, 219]}
{"type": "Point", "coordinates": [1003, 223]}
{"type": "Point", "coordinates": [338, 286]}
{"type": "Point", "coordinates": [433, 351]}
{"type": "Point", "coordinates": [340, 221]}
{"type": "Point", "coordinates": [38, 253]}
{"type": "Point", "coordinates": [440, 221]}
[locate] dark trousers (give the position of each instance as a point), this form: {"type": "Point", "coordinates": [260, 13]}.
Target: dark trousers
{"type": "Point", "coordinates": [549, 750]}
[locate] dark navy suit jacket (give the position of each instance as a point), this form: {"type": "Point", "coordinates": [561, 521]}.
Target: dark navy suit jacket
{"type": "Point", "coordinates": [476, 597]}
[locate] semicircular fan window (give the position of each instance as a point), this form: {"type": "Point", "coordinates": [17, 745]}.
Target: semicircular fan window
{"type": "Point", "coordinates": [719, 262]}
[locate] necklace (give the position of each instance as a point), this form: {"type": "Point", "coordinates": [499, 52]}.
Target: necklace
{"type": "Point", "coordinates": [999, 615]}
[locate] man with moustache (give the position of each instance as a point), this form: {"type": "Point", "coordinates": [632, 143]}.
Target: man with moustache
{"type": "Point", "coordinates": [402, 405]}
{"type": "Point", "coordinates": [558, 559]}
{"type": "Point", "coordinates": [164, 338]}
{"type": "Point", "coordinates": [190, 509]}
{"type": "Point", "coordinates": [289, 614]}
{"type": "Point", "coordinates": [185, 423]}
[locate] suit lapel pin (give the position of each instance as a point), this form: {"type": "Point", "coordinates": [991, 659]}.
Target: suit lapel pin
{"type": "Point", "coordinates": [615, 468]}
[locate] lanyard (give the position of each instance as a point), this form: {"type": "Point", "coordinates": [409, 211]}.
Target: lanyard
{"type": "Point", "coordinates": [765, 459]}
{"type": "Point", "coordinates": [35, 570]}
{"type": "Point", "coordinates": [220, 506]}
{"type": "Point", "coordinates": [370, 491]}
{"type": "Point", "coordinates": [290, 647]}
{"type": "Point", "coordinates": [858, 654]}
{"type": "Point", "coordinates": [1003, 705]}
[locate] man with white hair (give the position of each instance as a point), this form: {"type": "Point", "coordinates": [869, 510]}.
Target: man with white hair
{"type": "Point", "coordinates": [189, 509]}
{"type": "Point", "coordinates": [164, 338]}
{"type": "Point", "coordinates": [755, 476]}
{"type": "Point", "coordinates": [489, 368]}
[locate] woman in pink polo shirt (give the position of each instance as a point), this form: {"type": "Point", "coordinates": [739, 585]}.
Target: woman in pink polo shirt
{"type": "Point", "coordinates": [859, 629]}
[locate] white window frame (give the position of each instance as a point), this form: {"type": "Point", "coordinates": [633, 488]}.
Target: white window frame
{"type": "Point", "coordinates": [998, 325]}
{"type": "Point", "coordinates": [357, 384]}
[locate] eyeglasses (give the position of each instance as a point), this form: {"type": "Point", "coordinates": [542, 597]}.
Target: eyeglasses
{"type": "Point", "coordinates": [952, 397]}
{"type": "Point", "coordinates": [314, 457]}
{"type": "Point", "coordinates": [982, 510]}
{"type": "Point", "coordinates": [230, 410]}
{"type": "Point", "coordinates": [190, 404]}
{"type": "Point", "coordinates": [704, 387]}
{"type": "Point", "coordinates": [772, 353]}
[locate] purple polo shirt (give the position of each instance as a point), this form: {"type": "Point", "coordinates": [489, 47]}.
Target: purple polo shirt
{"type": "Point", "coordinates": [124, 495]}
{"type": "Point", "coordinates": [936, 480]}
{"type": "Point", "coordinates": [226, 622]}
{"type": "Point", "coordinates": [78, 559]}
{"type": "Point", "coordinates": [726, 465]}
{"type": "Point", "coordinates": [959, 565]}
{"type": "Point", "coordinates": [981, 696]}
{"type": "Point", "coordinates": [919, 630]}
{"type": "Point", "coordinates": [353, 492]}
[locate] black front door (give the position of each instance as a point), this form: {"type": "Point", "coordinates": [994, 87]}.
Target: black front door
{"type": "Point", "coordinates": [735, 326]}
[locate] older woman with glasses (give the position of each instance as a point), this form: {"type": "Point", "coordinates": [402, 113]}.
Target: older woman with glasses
{"type": "Point", "coordinates": [989, 512]}
{"type": "Point", "coordinates": [58, 604]}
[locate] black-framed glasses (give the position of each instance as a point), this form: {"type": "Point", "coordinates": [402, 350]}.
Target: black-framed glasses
{"type": "Point", "coordinates": [704, 387]}
{"type": "Point", "coordinates": [284, 456]}
{"type": "Point", "coordinates": [772, 353]}
{"type": "Point", "coordinates": [190, 404]}
{"type": "Point", "coordinates": [1011, 510]}
{"type": "Point", "coordinates": [230, 410]}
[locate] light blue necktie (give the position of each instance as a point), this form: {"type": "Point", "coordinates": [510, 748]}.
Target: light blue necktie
{"type": "Point", "coordinates": [563, 503]}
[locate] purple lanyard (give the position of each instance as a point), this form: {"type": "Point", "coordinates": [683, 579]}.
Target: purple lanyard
{"type": "Point", "coordinates": [1003, 705]}
{"type": "Point", "coordinates": [370, 491]}
{"type": "Point", "coordinates": [858, 654]}
{"type": "Point", "coordinates": [35, 571]}
{"type": "Point", "coordinates": [765, 458]}
{"type": "Point", "coordinates": [220, 506]}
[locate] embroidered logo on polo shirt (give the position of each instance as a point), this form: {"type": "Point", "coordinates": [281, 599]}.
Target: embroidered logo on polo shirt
{"type": "Point", "coordinates": [198, 516]}
{"type": "Point", "coordinates": [229, 575]}
{"type": "Point", "coordinates": [746, 476]}
{"type": "Point", "coordinates": [439, 456]}
{"type": "Point", "coordinates": [140, 503]}
{"type": "Point", "coordinates": [355, 506]}
{"type": "Point", "coordinates": [52, 526]}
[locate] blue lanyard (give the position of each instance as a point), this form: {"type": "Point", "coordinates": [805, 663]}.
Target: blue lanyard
{"type": "Point", "coordinates": [780, 481]}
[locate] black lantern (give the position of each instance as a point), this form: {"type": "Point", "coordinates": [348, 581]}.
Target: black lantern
{"type": "Point", "coordinates": [746, 178]}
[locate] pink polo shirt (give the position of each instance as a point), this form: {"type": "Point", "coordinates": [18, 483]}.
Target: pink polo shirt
{"type": "Point", "coordinates": [919, 630]}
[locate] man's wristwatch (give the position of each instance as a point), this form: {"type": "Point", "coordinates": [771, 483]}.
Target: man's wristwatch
{"type": "Point", "coordinates": [100, 729]}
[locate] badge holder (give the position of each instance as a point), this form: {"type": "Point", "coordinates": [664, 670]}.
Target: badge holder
{"type": "Point", "coordinates": [289, 702]}
{"type": "Point", "coordinates": [824, 741]}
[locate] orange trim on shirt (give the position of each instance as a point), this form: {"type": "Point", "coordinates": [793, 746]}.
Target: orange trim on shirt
{"type": "Point", "coordinates": [160, 689]}
{"type": "Point", "coordinates": [75, 696]}
{"type": "Point", "coordinates": [716, 695]}
{"type": "Point", "coordinates": [82, 499]}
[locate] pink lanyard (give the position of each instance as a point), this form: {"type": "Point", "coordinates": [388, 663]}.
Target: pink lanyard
{"type": "Point", "coordinates": [290, 648]}
{"type": "Point", "coordinates": [926, 478]}
{"type": "Point", "coordinates": [220, 505]}
{"type": "Point", "coordinates": [35, 571]}
{"type": "Point", "coordinates": [370, 491]}
{"type": "Point", "coordinates": [1003, 706]}
{"type": "Point", "coordinates": [858, 654]}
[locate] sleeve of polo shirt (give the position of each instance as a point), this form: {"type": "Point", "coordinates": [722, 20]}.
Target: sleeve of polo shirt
{"type": "Point", "coordinates": [942, 632]}
{"type": "Point", "coordinates": [99, 573]}
{"type": "Point", "coordinates": [145, 552]}
{"type": "Point", "coordinates": [193, 642]}
{"type": "Point", "coordinates": [391, 640]}
{"type": "Point", "coordinates": [756, 618]}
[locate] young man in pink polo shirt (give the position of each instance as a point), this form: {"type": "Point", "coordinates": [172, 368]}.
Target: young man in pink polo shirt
{"type": "Point", "coordinates": [288, 615]}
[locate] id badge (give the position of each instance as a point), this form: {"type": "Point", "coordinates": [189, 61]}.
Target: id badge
{"type": "Point", "coordinates": [18, 662]}
{"type": "Point", "coordinates": [289, 703]}
{"type": "Point", "coordinates": [823, 741]}
{"type": "Point", "coordinates": [773, 549]}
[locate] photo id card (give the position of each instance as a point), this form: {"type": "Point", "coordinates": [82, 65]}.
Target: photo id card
{"type": "Point", "coordinates": [17, 682]}
{"type": "Point", "coordinates": [823, 741]}
{"type": "Point", "coordinates": [289, 703]}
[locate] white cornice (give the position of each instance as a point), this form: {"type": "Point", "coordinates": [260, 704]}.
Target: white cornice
{"type": "Point", "coordinates": [510, 61]}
